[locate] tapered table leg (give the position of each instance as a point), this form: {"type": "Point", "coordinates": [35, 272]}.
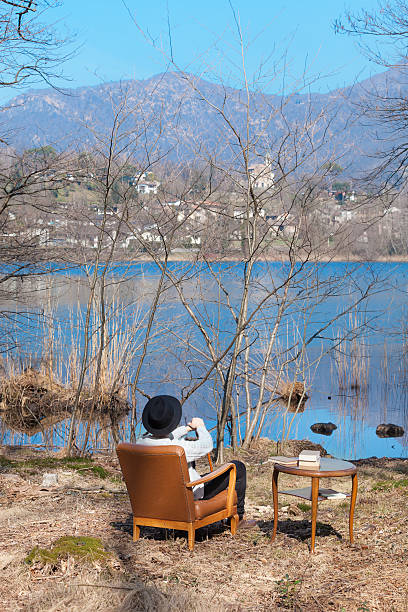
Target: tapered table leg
{"type": "Point", "coordinates": [275, 502]}
{"type": "Point", "coordinates": [352, 505]}
{"type": "Point", "coordinates": [315, 496]}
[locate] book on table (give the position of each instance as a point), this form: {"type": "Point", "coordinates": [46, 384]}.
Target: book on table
{"type": "Point", "coordinates": [306, 459]}
{"type": "Point", "coordinates": [332, 494]}
{"type": "Point", "coordinates": [309, 459]}
{"type": "Point", "coordinates": [309, 455]}
{"type": "Point", "coordinates": [309, 465]}
{"type": "Point", "coordinates": [284, 460]}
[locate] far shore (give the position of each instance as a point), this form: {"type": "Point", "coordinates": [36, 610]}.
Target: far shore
{"type": "Point", "coordinates": [340, 259]}
{"type": "Point", "coordinates": [189, 257]}
{"type": "Point", "coordinates": [195, 258]}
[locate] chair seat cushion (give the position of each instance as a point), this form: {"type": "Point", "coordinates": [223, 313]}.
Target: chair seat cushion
{"type": "Point", "coordinates": [205, 507]}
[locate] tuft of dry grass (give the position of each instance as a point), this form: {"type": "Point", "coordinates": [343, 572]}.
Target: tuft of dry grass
{"type": "Point", "coordinates": [292, 391]}
{"type": "Point", "coordinates": [91, 592]}
{"type": "Point", "coordinates": [32, 402]}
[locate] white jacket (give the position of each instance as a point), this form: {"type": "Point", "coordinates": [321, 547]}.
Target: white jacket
{"type": "Point", "coordinates": [194, 449]}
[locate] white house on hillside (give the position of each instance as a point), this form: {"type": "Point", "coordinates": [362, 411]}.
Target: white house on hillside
{"type": "Point", "coordinates": [147, 188]}
{"type": "Point", "coordinates": [261, 175]}
{"type": "Point", "coordinates": [143, 184]}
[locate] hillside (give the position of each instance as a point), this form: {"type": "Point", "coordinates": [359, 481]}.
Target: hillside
{"type": "Point", "coordinates": [168, 104]}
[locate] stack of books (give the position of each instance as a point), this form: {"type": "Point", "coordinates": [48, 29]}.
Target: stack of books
{"type": "Point", "coordinates": [309, 459]}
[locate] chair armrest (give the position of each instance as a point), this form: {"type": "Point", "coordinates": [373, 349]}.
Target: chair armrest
{"type": "Point", "coordinates": [218, 472]}
{"type": "Point", "coordinates": [221, 470]}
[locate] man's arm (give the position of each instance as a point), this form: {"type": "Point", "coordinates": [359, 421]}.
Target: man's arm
{"type": "Point", "coordinates": [195, 449]}
{"type": "Point", "coordinates": [179, 432]}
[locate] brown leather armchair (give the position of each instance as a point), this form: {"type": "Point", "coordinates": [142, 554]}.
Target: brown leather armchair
{"type": "Point", "coordinates": [161, 494]}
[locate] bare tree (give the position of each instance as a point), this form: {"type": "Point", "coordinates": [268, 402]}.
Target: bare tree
{"type": "Point", "coordinates": [255, 196]}
{"type": "Point", "coordinates": [382, 37]}
{"type": "Point", "coordinates": [121, 220]}
{"type": "Point", "coordinates": [265, 198]}
{"type": "Point", "coordinates": [31, 50]}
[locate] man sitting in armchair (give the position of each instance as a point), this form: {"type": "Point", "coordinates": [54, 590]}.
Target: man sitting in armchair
{"type": "Point", "coordinates": [161, 417]}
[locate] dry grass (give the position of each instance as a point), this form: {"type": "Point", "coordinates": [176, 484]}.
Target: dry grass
{"type": "Point", "coordinates": [92, 592]}
{"type": "Point", "coordinates": [222, 573]}
{"type": "Point", "coordinates": [292, 392]}
{"type": "Point", "coordinates": [32, 402]}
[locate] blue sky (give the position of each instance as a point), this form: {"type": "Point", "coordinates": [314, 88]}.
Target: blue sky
{"type": "Point", "coordinates": [285, 37]}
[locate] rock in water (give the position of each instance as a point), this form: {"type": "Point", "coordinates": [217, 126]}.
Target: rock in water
{"type": "Point", "coordinates": [389, 430]}
{"type": "Point", "coordinates": [323, 428]}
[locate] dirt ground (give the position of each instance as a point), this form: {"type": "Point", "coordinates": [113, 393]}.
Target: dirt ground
{"type": "Point", "coordinates": [246, 572]}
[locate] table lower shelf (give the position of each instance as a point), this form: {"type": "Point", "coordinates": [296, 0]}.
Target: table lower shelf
{"type": "Point", "coordinates": [306, 493]}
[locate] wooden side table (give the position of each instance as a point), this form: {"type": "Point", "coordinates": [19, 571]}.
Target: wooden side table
{"type": "Point", "coordinates": [329, 468]}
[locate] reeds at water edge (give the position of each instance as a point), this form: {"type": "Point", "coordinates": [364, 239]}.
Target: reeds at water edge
{"type": "Point", "coordinates": [38, 393]}
{"type": "Point", "coordinates": [352, 363]}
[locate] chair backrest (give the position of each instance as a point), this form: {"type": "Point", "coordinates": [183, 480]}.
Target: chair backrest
{"type": "Point", "coordinates": [155, 478]}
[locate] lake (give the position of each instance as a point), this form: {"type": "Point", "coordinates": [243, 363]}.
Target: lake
{"type": "Point", "coordinates": [358, 385]}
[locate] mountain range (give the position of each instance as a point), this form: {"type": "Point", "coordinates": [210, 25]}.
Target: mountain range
{"type": "Point", "coordinates": [176, 114]}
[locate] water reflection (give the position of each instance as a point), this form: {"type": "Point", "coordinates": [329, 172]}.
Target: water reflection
{"type": "Point", "coordinates": [359, 385]}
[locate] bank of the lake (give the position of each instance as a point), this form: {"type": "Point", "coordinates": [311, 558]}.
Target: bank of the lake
{"type": "Point", "coordinates": [159, 573]}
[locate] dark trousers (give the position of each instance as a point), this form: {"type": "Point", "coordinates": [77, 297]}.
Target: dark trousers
{"type": "Point", "coordinates": [220, 483]}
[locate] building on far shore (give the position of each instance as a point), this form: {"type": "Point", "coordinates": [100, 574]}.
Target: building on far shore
{"type": "Point", "coordinates": [261, 175]}
{"type": "Point", "coordinates": [144, 184]}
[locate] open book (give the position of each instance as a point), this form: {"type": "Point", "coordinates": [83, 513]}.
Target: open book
{"type": "Point", "coordinates": [331, 494]}
{"type": "Point", "coordinates": [284, 460]}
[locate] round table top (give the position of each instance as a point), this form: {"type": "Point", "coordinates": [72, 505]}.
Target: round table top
{"type": "Point", "coordinates": [328, 467]}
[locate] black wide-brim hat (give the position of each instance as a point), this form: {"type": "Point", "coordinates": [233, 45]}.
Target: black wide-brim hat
{"type": "Point", "coordinates": [161, 415]}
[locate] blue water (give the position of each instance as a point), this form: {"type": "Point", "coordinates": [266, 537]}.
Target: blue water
{"type": "Point", "coordinates": [374, 293]}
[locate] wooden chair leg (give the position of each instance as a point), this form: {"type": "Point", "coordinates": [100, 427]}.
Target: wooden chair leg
{"type": "Point", "coordinates": [234, 524]}
{"type": "Point", "coordinates": [191, 537]}
{"type": "Point", "coordinates": [136, 531]}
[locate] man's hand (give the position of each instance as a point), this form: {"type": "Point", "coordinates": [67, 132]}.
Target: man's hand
{"type": "Point", "coordinates": [195, 422]}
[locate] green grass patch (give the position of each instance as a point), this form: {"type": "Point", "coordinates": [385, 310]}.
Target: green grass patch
{"type": "Point", "coordinates": [304, 507]}
{"type": "Point", "coordinates": [287, 589]}
{"type": "Point", "coordinates": [388, 485]}
{"type": "Point", "coordinates": [82, 548]}
{"type": "Point", "coordinates": [5, 463]}
{"type": "Point", "coordinates": [401, 483]}
{"type": "Point", "coordinates": [84, 465]}
{"type": "Point", "coordinates": [37, 464]}
{"type": "Point", "coordinates": [382, 485]}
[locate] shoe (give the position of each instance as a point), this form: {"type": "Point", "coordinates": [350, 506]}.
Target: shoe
{"type": "Point", "coordinates": [244, 523]}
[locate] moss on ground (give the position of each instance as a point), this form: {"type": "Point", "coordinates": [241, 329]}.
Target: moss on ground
{"type": "Point", "coordinates": [5, 463]}
{"type": "Point", "coordinates": [84, 549]}
{"type": "Point", "coordinates": [304, 507]}
{"type": "Point", "coordinates": [388, 485]}
{"type": "Point", "coordinates": [33, 465]}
